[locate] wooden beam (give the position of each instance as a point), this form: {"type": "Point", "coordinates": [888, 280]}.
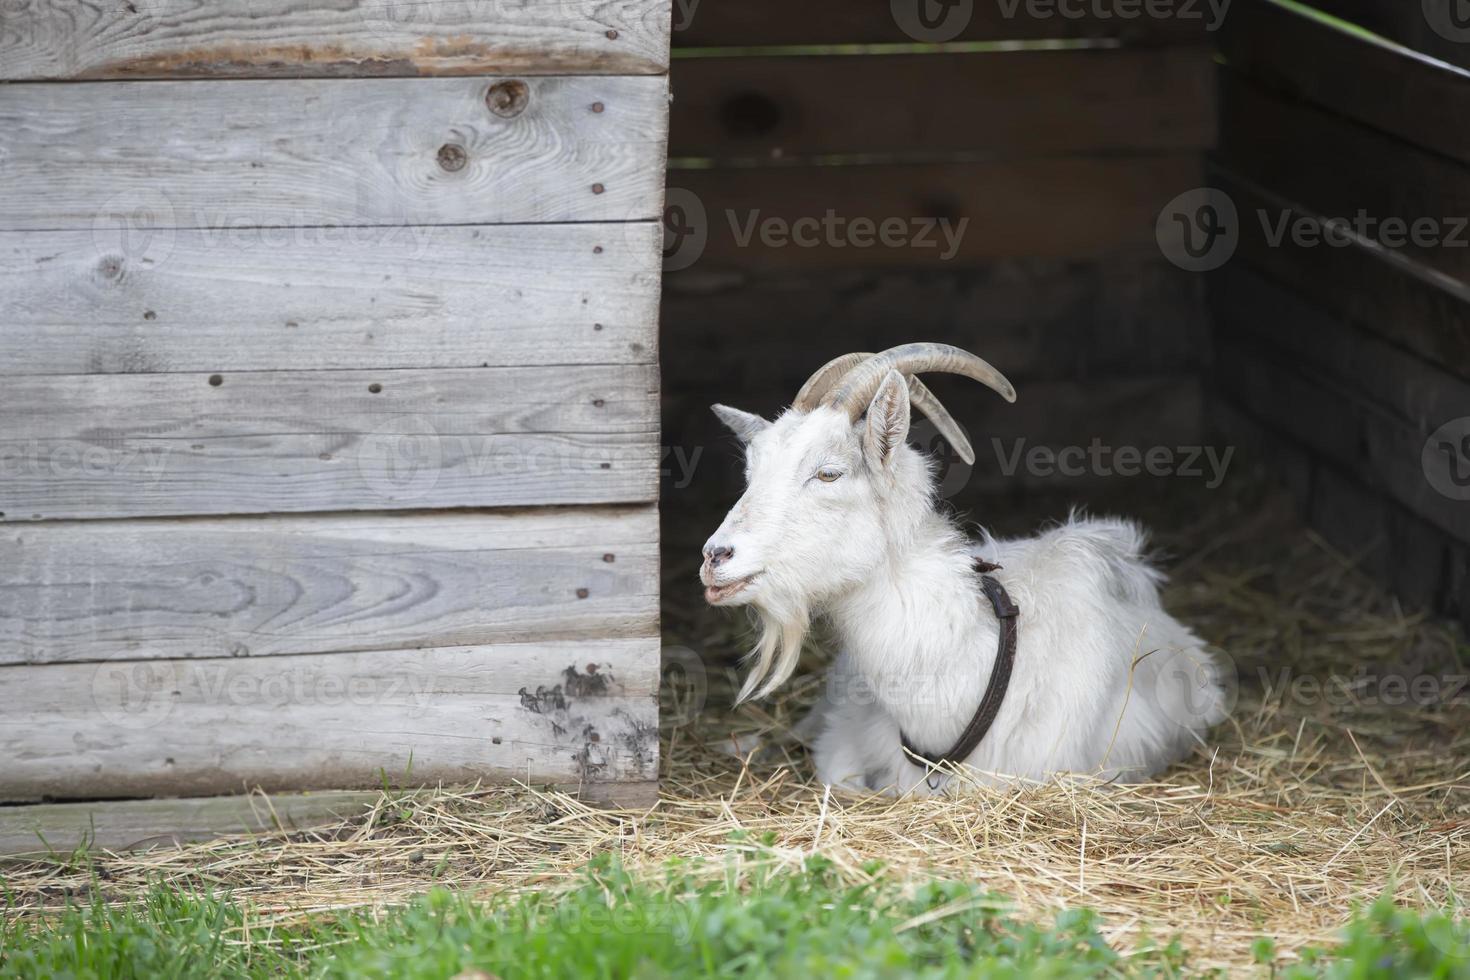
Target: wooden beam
{"type": "Point", "coordinates": [1035, 319]}
{"type": "Point", "coordinates": [1425, 567]}
{"type": "Point", "coordinates": [1020, 102]}
{"type": "Point", "coordinates": [121, 825]}
{"type": "Point", "coordinates": [1430, 27]}
{"type": "Point", "coordinates": [297, 39]}
{"type": "Point", "coordinates": [131, 445]}
{"type": "Point", "coordinates": [544, 712]}
{"type": "Point", "coordinates": [1016, 446]}
{"type": "Point", "coordinates": [246, 587]}
{"type": "Point", "coordinates": [1392, 296]}
{"type": "Point", "coordinates": [1385, 87]}
{"type": "Point", "coordinates": [276, 299]}
{"type": "Point", "coordinates": [747, 23]}
{"type": "Point", "coordinates": [1345, 171]}
{"type": "Point", "coordinates": [1329, 413]}
{"type": "Point", "coordinates": [939, 215]}
{"type": "Point", "coordinates": [127, 159]}
{"type": "Point", "coordinates": [1402, 384]}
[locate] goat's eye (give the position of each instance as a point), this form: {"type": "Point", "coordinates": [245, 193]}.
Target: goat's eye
{"type": "Point", "coordinates": [828, 474]}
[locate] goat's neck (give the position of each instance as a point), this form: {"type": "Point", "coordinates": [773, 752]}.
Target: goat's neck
{"type": "Point", "coordinates": [915, 630]}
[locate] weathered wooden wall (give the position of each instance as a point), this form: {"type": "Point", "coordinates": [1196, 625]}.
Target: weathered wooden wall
{"type": "Point", "coordinates": [271, 305]}
{"type": "Point", "coordinates": [1347, 356]}
{"type": "Point", "coordinates": [1057, 152]}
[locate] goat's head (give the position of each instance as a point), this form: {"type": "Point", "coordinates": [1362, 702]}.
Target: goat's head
{"type": "Point", "coordinates": [831, 487]}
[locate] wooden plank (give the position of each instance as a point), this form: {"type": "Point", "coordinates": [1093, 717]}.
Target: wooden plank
{"type": "Point", "coordinates": [72, 302]}
{"type": "Point", "coordinates": [1411, 389]}
{"type": "Point", "coordinates": [209, 154]}
{"type": "Point", "coordinates": [1389, 88]}
{"type": "Point", "coordinates": [1053, 207]}
{"type": "Point", "coordinates": [292, 38]}
{"type": "Point", "coordinates": [743, 23]}
{"type": "Point", "coordinates": [120, 825]}
{"type": "Point", "coordinates": [1433, 27]}
{"type": "Point", "coordinates": [1325, 414]}
{"type": "Point", "coordinates": [100, 590]}
{"type": "Point", "coordinates": [1394, 297]}
{"type": "Point", "coordinates": [1258, 449]}
{"type": "Point", "coordinates": [1421, 564]}
{"type": "Point", "coordinates": [1037, 319]}
{"type": "Point", "coordinates": [126, 825]}
{"type": "Point", "coordinates": [1015, 445]}
{"type": "Point", "coordinates": [543, 712]}
{"type": "Point", "coordinates": [1035, 101]}
{"type": "Point", "coordinates": [132, 445]}
{"type": "Point", "coordinates": [1343, 170]}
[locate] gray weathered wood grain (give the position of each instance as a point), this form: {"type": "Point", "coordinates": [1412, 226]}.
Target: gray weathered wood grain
{"type": "Point", "coordinates": [52, 39]}
{"type": "Point", "coordinates": [270, 299]}
{"type": "Point", "coordinates": [544, 712]}
{"type": "Point", "coordinates": [101, 590]}
{"type": "Point", "coordinates": [133, 445]}
{"type": "Point", "coordinates": [125, 159]}
{"type": "Point", "coordinates": [118, 825]}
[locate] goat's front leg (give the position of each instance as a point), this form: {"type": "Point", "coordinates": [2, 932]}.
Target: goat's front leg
{"type": "Point", "coordinates": [855, 743]}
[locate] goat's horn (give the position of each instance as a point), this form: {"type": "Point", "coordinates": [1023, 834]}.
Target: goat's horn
{"type": "Point", "coordinates": [927, 403]}
{"type": "Point", "coordinates": [920, 397]}
{"type": "Point", "coordinates": [861, 383]}
{"type": "Point", "coordinates": [824, 378]}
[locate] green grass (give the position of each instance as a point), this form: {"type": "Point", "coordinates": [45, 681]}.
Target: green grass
{"type": "Point", "coordinates": [753, 922]}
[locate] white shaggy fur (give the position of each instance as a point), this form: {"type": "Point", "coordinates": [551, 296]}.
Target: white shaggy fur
{"type": "Point", "coordinates": [1105, 681]}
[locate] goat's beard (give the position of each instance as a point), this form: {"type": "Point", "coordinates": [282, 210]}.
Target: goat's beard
{"type": "Point", "coordinates": [782, 629]}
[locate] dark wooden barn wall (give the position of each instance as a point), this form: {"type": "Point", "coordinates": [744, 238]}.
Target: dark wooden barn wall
{"type": "Point", "coordinates": [1060, 161]}
{"type": "Point", "coordinates": [1343, 360]}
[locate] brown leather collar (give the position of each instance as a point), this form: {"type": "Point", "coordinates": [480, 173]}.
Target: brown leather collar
{"type": "Point", "coordinates": [1000, 677]}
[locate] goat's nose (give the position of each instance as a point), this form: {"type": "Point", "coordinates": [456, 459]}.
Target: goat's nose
{"type": "Point", "coordinates": [718, 555]}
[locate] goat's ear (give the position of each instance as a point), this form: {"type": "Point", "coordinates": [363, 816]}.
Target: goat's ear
{"type": "Point", "coordinates": [745, 425]}
{"type": "Point", "coordinates": [888, 420]}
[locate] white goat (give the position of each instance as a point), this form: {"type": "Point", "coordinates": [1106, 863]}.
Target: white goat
{"type": "Point", "coordinates": [838, 520]}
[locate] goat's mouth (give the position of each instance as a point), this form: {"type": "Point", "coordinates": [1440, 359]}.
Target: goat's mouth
{"type": "Point", "coordinates": [716, 594]}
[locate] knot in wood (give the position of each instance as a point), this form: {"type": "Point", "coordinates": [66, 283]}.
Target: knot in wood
{"type": "Point", "coordinates": [509, 98]}
{"type": "Point", "coordinates": [452, 157]}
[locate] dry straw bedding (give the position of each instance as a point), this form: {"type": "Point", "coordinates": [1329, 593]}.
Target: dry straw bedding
{"type": "Point", "coordinates": [1310, 801]}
